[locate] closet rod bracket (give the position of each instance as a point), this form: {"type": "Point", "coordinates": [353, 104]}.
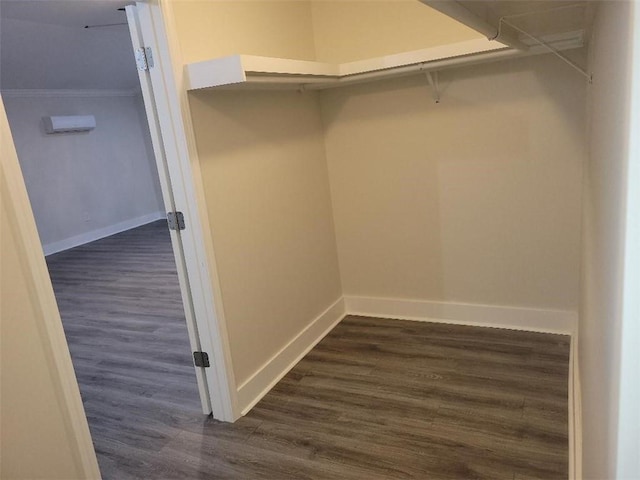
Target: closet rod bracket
{"type": "Point", "coordinates": [432, 78]}
{"type": "Point", "coordinates": [553, 50]}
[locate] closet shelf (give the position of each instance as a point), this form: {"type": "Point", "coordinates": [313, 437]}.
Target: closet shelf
{"type": "Point", "coordinates": [254, 72]}
{"type": "Point", "coordinates": [265, 72]}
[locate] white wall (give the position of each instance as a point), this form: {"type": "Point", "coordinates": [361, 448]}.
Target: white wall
{"type": "Point", "coordinates": [43, 429]}
{"type": "Point", "coordinates": [628, 460]}
{"type": "Point", "coordinates": [85, 186]}
{"type": "Point", "coordinates": [265, 182]}
{"type": "Point", "coordinates": [605, 227]}
{"type": "Point", "coordinates": [476, 200]}
{"type": "Point", "coordinates": [267, 189]}
{"type": "Point", "coordinates": [473, 200]}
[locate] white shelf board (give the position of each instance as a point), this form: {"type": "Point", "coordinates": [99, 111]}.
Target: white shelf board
{"type": "Point", "coordinates": [238, 69]}
{"type": "Point", "coordinates": [425, 55]}
{"type": "Point", "coordinates": [249, 71]}
{"type": "Point", "coordinates": [243, 69]}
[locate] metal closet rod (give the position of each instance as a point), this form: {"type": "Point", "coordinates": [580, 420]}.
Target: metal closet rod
{"type": "Point", "coordinates": [465, 16]}
{"type": "Point", "coordinates": [557, 53]}
{"type": "Point", "coordinates": [121, 9]}
{"type": "Point", "coordinates": [423, 67]}
{"type": "Point", "coordinates": [105, 25]}
{"type": "Point", "coordinates": [539, 41]}
{"type": "Point", "coordinates": [546, 10]}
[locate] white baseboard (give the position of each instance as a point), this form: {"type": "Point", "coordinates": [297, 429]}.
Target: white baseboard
{"type": "Point", "coordinates": [93, 235]}
{"type": "Point", "coordinates": [256, 387]}
{"type": "Point", "coordinates": [575, 413]}
{"type": "Point", "coordinates": [515, 318]}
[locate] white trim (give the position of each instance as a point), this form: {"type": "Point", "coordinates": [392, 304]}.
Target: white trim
{"type": "Point", "coordinates": [59, 93]}
{"type": "Point", "coordinates": [515, 318]}
{"type": "Point", "coordinates": [238, 69]}
{"type": "Point", "coordinates": [259, 384]}
{"type": "Point", "coordinates": [170, 99]}
{"type": "Point", "coordinates": [93, 235]}
{"type": "Point", "coordinates": [575, 413]}
{"type": "Point", "coordinates": [251, 71]}
{"type": "Point", "coordinates": [425, 55]}
{"type": "Point", "coordinates": [251, 391]}
{"type": "Point", "coordinates": [146, 88]}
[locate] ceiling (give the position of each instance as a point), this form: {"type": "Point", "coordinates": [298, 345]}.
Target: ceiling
{"type": "Point", "coordinates": [537, 17]}
{"type": "Point", "coordinates": [522, 22]}
{"type": "Point", "coordinates": [44, 45]}
{"type": "Point", "coordinates": [69, 13]}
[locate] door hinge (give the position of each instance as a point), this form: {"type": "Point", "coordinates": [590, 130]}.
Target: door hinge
{"type": "Point", "coordinates": [175, 220]}
{"type": "Point", "coordinates": [144, 58]}
{"type": "Point", "coordinates": [201, 359]}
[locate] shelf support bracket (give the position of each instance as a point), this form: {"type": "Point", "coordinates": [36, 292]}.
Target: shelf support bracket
{"type": "Point", "coordinates": [433, 81]}
{"type": "Point", "coordinates": [553, 50]}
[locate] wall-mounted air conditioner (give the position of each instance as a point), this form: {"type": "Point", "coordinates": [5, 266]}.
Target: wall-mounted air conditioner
{"type": "Point", "coordinates": [69, 123]}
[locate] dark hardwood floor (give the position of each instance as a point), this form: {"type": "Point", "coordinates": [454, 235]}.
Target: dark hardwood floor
{"type": "Point", "coordinates": [376, 399]}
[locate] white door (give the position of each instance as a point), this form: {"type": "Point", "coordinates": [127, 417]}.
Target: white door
{"type": "Point", "coordinates": [215, 381]}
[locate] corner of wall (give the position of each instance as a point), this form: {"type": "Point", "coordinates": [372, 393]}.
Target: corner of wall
{"type": "Point", "coordinates": [575, 412]}
{"type": "Point", "coordinates": [267, 376]}
{"type": "Point", "coordinates": [59, 437]}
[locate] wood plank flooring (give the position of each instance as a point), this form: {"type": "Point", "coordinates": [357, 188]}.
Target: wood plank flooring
{"type": "Point", "coordinates": [376, 399]}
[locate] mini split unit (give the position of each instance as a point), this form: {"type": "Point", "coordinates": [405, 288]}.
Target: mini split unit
{"type": "Point", "coordinates": [69, 123]}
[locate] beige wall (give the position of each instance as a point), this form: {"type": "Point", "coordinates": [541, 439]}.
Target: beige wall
{"type": "Point", "coordinates": [272, 28]}
{"type": "Point", "coordinates": [345, 31]}
{"type": "Point", "coordinates": [475, 200]}
{"type": "Point", "coordinates": [266, 185]}
{"type": "Point", "coordinates": [324, 30]}
{"type": "Point", "coordinates": [604, 234]}
{"type": "Point", "coordinates": [265, 180]}
{"type": "Point", "coordinates": [43, 431]}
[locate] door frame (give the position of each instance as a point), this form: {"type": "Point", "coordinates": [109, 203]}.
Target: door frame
{"type": "Point", "coordinates": [46, 314]}
{"type": "Point", "coordinates": [169, 203]}
{"type": "Point", "coordinates": [172, 132]}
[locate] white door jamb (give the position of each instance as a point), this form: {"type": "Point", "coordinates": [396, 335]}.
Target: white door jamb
{"type": "Point", "coordinates": [182, 168]}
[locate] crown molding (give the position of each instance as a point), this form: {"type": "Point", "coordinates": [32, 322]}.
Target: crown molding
{"type": "Point", "coordinates": [63, 93]}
